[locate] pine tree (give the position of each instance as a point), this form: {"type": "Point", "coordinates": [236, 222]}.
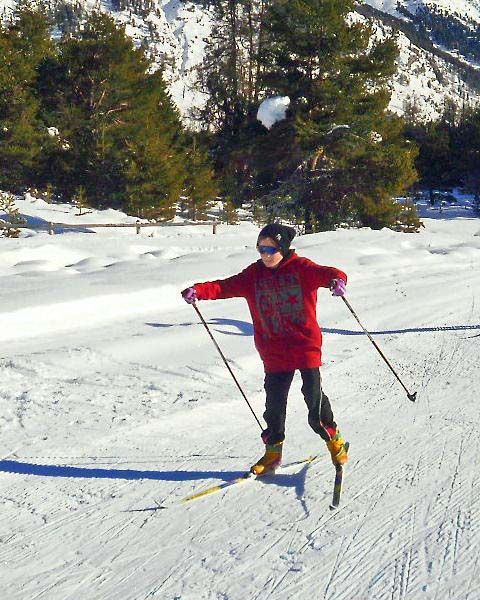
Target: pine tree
{"type": "Point", "coordinates": [156, 162]}
{"type": "Point", "coordinates": [152, 182]}
{"type": "Point", "coordinates": [230, 70]}
{"type": "Point", "coordinates": [49, 194]}
{"type": "Point", "coordinates": [200, 186]}
{"type": "Point", "coordinates": [80, 200]}
{"type": "Point", "coordinates": [466, 141]}
{"type": "Point", "coordinates": [408, 220]}
{"type": "Point", "coordinates": [120, 137]}
{"type": "Point", "coordinates": [229, 212]}
{"type": "Point", "coordinates": [335, 75]}
{"type": "Point", "coordinates": [434, 160]}
{"type": "Point", "coordinates": [230, 76]}
{"type": "Point", "coordinates": [29, 32]}
{"type": "Point", "coordinates": [24, 44]}
{"type": "Point", "coordinates": [87, 93]}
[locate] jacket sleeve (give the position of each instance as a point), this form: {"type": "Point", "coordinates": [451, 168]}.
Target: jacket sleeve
{"type": "Point", "coordinates": [235, 286]}
{"type": "Point", "coordinates": [319, 276]}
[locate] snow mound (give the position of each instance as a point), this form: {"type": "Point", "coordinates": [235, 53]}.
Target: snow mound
{"type": "Point", "coordinates": [273, 110]}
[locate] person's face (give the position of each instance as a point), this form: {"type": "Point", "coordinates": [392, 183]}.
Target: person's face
{"type": "Point", "coordinates": [269, 260]}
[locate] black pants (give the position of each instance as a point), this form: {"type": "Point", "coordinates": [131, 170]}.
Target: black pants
{"type": "Point", "coordinates": [277, 386]}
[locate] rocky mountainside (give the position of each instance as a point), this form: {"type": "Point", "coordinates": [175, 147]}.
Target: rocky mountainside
{"type": "Point", "coordinates": [464, 10]}
{"type": "Point", "coordinates": [439, 44]}
{"type": "Point", "coordinates": [439, 51]}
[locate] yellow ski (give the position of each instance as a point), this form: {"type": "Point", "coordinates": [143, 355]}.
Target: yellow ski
{"type": "Point", "coordinates": [221, 486]}
{"type": "Point", "coordinates": [217, 488]}
{"type": "Point", "coordinates": [246, 477]}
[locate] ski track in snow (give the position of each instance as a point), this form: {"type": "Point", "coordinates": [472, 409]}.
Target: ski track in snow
{"type": "Point", "coordinates": [100, 421]}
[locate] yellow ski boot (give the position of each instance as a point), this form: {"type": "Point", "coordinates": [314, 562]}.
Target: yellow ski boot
{"type": "Point", "coordinates": [269, 461]}
{"type": "Point", "coordinates": [338, 448]}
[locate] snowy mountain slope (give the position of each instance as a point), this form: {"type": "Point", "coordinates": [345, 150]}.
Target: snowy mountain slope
{"type": "Point", "coordinates": [112, 398]}
{"type": "Point", "coordinates": [177, 41]}
{"type": "Point", "coordinates": [176, 33]}
{"type": "Point", "coordinates": [427, 78]}
{"type": "Point", "coordinates": [463, 8]}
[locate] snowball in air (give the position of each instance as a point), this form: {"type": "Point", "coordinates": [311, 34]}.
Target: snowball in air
{"type": "Point", "coordinates": [272, 110]}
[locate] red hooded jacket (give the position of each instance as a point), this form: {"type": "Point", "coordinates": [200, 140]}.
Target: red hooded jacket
{"type": "Point", "coordinates": [282, 302]}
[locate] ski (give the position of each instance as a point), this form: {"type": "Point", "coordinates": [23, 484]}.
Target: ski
{"type": "Point", "coordinates": [248, 476]}
{"type": "Point", "coordinates": [222, 486]}
{"type": "Point", "coordinates": [217, 488]}
{"type": "Point", "coordinates": [338, 483]}
{"type": "Point", "coordinates": [337, 487]}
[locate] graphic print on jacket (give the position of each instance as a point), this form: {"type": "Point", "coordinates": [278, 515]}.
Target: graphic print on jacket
{"type": "Point", "coordinates": [283, 306]}
{"type": "Point", "coordinates": [280, 305]}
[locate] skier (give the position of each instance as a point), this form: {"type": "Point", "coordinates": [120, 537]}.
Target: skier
{"type": "Point", "coordinates": [281, 292]}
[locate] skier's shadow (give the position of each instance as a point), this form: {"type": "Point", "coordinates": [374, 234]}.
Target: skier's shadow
{"type": "Point", "coordinates": [42, 470]}
{"type": "Point", "coordinates": [293, 480]}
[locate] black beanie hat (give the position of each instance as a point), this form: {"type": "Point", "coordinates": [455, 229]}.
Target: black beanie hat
{"type": "Point", "coordinates": [281, 234]}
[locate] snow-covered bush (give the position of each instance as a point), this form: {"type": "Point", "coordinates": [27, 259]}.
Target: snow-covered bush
{"type": "Point", "coordinates": [11, 219]}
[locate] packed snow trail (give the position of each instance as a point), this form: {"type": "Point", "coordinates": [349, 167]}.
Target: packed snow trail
{"type": "Point", "coordinates": [97, 421]}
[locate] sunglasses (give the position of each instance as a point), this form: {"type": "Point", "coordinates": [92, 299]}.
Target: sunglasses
{"type": "Point", "coordinates": [270, 250]}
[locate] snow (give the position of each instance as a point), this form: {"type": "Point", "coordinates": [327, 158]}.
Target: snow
{"type": "Point", "coordinates": [182, 29]}
{"type": "Point", "coordinates": [464, 8]}
{"type": "Point", "coordinates": [272, 110]}
{"type": "Point", "coordinates": [113, 399]}
{"type": "Point", "coordinates": [176, 32]}
{"type": "Point", "coordinates": [417, 85]}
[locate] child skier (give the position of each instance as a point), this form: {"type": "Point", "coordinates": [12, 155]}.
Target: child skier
{"type": "Point", "coordinates": [281, 292]}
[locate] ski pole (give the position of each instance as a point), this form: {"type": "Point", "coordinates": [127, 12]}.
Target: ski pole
{"type": "Point", "coordinates": [411, 397]}
{"type": "Point", "coordinates": [226, 363]}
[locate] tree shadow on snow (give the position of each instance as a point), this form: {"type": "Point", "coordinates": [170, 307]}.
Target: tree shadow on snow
{"type": "Point", "coordinates": [39, 223]}
{"type": "Point", "coordinates": [24, 468]}
{"type": "Point", "coordinates": [465, 211]}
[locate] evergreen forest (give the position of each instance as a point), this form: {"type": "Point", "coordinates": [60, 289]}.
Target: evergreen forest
{"type": "Point", "coordinates": [84, 117]}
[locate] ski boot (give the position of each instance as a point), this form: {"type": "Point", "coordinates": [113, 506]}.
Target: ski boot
{"type": "Point", "coordinates": [269, 461]}
{"type": "Point", "coordinates": [338, 448]}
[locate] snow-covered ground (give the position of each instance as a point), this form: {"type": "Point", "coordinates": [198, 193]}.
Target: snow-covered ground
{"type": "Point", "coordinates": [113, 399]}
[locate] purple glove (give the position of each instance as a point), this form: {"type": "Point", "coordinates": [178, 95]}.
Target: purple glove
{"type": "Point", "coordinates": [338, 287]}
{"type": "Point", "coordinates": [189, 295]}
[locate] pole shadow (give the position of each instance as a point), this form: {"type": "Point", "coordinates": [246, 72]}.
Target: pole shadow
{"type": "Point", "coordinates": [244, 328]}
{"type": "Point", "coordinates": [407, 330]}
